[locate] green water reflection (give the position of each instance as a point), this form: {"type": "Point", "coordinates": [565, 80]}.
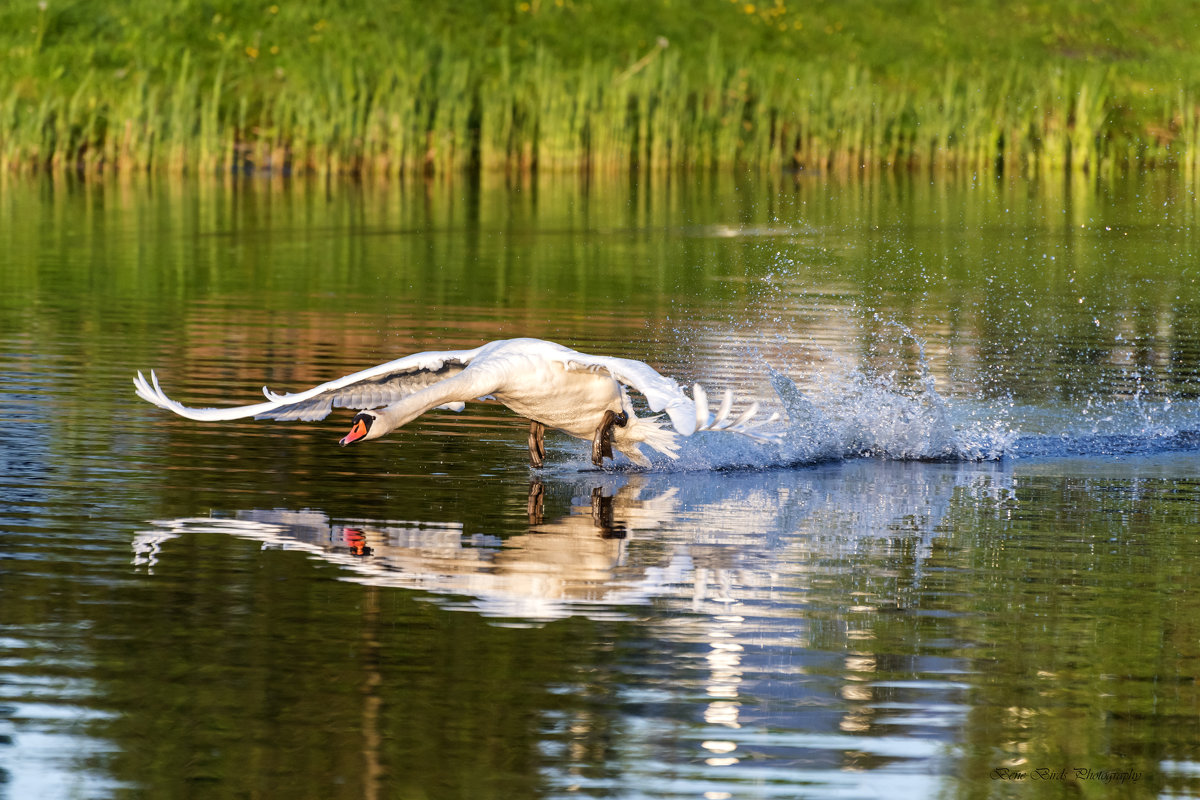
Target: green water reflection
{"type": "Point", "coordinates": [189, 611]}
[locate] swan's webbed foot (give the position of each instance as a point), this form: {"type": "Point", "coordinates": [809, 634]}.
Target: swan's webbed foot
{"type": "Point", "coordinates": [602, 441]}
{"type": "Point", "coordinates": [537, 443]}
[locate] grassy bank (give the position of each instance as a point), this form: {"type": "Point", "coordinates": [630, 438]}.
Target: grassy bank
{"type": "Point", "coordinates": [407, 87]}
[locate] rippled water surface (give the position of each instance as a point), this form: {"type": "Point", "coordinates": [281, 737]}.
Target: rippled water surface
{"type": "Point", "coordinates": [968, 572]}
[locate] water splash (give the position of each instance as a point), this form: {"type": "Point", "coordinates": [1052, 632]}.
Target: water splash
{"type": "Point", "coordinates": [854, 414]}
{"type": "Point", "coordinates": [854, 382]}
{"type": "Point", "coordinates": [834, 409]}
{"type": "Point", "coordinates": [850, 415]}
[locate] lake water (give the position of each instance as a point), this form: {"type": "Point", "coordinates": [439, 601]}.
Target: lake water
{"type": "Point", "coordinates": [971, 570]}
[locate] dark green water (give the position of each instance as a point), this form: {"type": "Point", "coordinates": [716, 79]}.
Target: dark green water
{"type": "Point", "coordinates": [969, 573]}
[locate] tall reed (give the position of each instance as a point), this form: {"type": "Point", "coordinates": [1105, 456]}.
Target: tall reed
{"type": "Point", "coordinates": [432, 108]}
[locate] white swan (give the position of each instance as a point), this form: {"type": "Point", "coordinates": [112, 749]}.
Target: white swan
{"type": "Point", "coordinates": [551, 385]}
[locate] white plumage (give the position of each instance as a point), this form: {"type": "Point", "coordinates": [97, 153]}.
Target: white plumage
{"type": "Point", "coordinates": [549, 384]}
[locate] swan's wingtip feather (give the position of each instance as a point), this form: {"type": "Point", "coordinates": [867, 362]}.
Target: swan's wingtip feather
{"type": "Point", "coordinates": [745, 424]}
{"type": "Point", "coordinates": [149, 390]}
{"type": "Point", "coordinates": [142, 388]}
{"type": "Point", "coordinates": [152, 392]}
{"type": "Point", "coordinates": [683, 416]}
{"type": "Point", "coordinates": [701, 399]}
{"type": "Point", "coordinates": [725, 408]}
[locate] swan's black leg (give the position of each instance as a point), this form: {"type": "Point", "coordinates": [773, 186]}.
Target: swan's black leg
{"type": "Point", "coordinates": [537, 443]}
{"type": "Point", "coordinates": [602, 510]}
{"type": "Point", "coordinates": [536, 507]}
{"type": "Point", "coordinates": [602, 441]}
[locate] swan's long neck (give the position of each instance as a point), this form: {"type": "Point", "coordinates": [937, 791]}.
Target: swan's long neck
{"type": "Point", "coordinates": [461, 388]}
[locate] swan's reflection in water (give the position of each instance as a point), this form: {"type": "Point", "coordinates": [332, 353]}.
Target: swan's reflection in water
{"type": "Point", "coordinates": [690, 541]}
{"type": "Point", "coordinates": [554, 567]}
{"type": "Point", "coordinates": [765, 608]}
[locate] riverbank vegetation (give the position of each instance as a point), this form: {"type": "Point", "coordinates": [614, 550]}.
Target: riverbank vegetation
{"type": "Point", "coordinates": [404, 87]}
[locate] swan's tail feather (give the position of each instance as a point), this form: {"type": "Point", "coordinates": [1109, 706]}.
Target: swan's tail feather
{"type": "Point", "coordinates": [646, 430]}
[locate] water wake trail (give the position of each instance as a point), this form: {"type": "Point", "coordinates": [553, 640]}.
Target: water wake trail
{"type": "Point", "coordinates": [846, 412]}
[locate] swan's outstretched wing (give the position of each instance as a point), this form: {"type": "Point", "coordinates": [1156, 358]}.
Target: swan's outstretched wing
{"type": "Point", "coordinates": [662, 394]}
{"type": "Point", "coordinates": [370, 388]}
{"type": "Point", "coordinates": [688, 414]}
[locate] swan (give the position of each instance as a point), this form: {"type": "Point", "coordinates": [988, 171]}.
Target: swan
{"type": "Point", "coordinates": [551, 385]}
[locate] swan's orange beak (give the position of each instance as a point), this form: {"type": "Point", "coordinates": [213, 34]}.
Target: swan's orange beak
{"type": "Point", "coordinates": [358, 431]}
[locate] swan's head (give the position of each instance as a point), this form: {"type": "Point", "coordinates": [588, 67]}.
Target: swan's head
{"type": "Point", "coordinates": [363, 428]}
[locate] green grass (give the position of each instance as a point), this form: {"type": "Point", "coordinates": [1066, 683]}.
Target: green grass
{"type": "Point", "coordinates": [418, 88]}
